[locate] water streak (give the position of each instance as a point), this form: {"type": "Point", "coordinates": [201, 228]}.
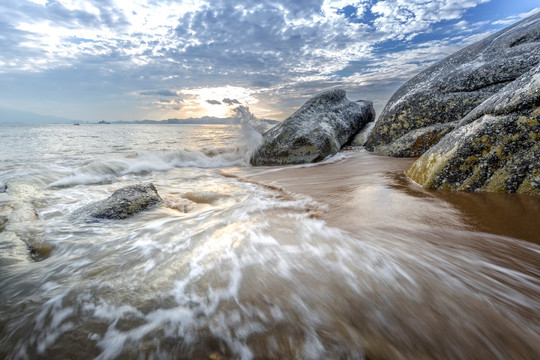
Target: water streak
{"type": "Point", "coordinates": [343, 259]}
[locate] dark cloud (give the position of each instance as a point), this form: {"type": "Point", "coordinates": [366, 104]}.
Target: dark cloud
{"type": "Point", "coordinates": [230, 101]}
{"type": "Point", "coordinates": [57, 12]}
{"type": "Point", "coordinates": [213, 102]}
{"type": "Point", "coordinates": [260, 84]}
{"type": "Point", "coordinates": [158, 92]}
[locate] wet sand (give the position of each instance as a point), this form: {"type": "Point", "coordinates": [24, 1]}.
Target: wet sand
{"type": "Point", "coordinates": [342, 260]}
{"type": "Point", "coordinates": [370, 190]}
{"type": "Point", "coordinates": [471, 266]}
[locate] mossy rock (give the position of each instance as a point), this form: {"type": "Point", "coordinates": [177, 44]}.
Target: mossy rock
{"type": "Point", "coordinates": [447, 91]}
{"type": "Point", "coordinates": [494, 148]}
{"type": "Point", "coordinates": [415, 143]}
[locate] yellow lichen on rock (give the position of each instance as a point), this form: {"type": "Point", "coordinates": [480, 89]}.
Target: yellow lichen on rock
{"type": "Point", "coordinates": [424, 170]}
{"type": "Point", "coordinates": [497, 182]}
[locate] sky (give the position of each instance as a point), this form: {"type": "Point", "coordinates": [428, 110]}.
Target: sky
{"type": "Point", "coordinates": [113, 60]}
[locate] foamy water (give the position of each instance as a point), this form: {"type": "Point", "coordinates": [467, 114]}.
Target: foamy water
{"type": "Point", "coordinates": [345, 259]}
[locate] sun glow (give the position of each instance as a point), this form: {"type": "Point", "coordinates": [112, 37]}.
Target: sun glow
{"type": "Point", "coordinates": [208, 101]}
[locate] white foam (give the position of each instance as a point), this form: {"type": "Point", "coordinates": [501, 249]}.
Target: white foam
{"type": "Point", "coordinates": [103, 170]}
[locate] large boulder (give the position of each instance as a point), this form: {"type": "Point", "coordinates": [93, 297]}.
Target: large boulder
{"type": "Point", "coordinates": [495, 148]}
{"type": "Point", "coordinates": [123, 203]}
{"type": "Point", "coordinates": [318, 129]}
{"type": "Point", "coordinates": [449, 90]}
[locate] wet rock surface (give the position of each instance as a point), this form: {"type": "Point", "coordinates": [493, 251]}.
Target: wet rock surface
{"type": "Point", "coordinates": [318, 129]}
{"type": "Point", "coordinates": [447, 91]}
{"type": "Point", "coordinates": [123, 203]}
{"type": "Point", "coordinates": [495, 148]}
{"type": "Point", "coordinates": [19, 218]}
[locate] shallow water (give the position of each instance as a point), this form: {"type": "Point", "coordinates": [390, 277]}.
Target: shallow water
{"type": "Point", "coordinates": [345, 259]}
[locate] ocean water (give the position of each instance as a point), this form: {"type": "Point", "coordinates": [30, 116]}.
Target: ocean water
{"type": "Point", "coordinates": [346, 259]}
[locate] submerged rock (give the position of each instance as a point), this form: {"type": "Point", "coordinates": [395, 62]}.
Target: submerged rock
{"type": "Point", "coordinates": [123, 203]}
{"type": "Point", "coordinates": [450, 89]}
{"type": "Point", "coordinates": [318, 129]}
{"type": "Point", "coordinates": [495, 148]}
{"type": "Point", "coordinates": [19, 217]}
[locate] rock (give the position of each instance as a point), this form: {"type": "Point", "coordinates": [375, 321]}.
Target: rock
{"type": "Point", "coordinates": [361, 138]}
{"type": "Point", "coordinates": [23, 196]}
{"type": "Point", "coordinates": [20, 218]}
{"type": "Point", "coordinates": [318, 129]}
{"type": "Point", "coordinates": [450, 89]}
{"type": "Point", "coordinates": [415, 143]}
{"type": "Point", "coordinates": [495, 148]}
{"type": "Point", "coordinates": [123, 203]}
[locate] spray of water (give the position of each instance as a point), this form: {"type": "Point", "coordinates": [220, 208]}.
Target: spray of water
{"type": "Point", "coordinates": [252, 129]}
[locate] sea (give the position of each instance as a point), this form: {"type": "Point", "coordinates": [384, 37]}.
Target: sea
{"type": "Point", "coordinates": [344, 259]}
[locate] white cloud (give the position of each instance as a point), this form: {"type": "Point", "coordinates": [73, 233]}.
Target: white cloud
{"type": "Point", "coordinates": [408, 18]}
{"type": "Point", "coordinates": [269, 53]}
{"type": "Point", "coordinates": [512, 19]}
{"type": "Point", "coordinates": [204, 37]}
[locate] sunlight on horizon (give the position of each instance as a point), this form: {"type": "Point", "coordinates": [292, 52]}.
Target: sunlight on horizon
{"type": "Point", "coordinates": [215, 101]}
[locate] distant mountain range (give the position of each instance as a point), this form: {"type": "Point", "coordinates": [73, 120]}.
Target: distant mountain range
{"type": "Point", "coordinates": [10, 116]}
{"type": "Point", "coordinates": [202, 120]}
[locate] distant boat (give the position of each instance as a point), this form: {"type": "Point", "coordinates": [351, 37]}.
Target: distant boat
{"type": "Point", "coordinates": [76, 124]}
{"type": "Point", "coordinates": [103, 122]}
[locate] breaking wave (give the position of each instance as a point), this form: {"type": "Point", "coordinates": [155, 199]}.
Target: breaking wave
{"type": "Point", "coordinates": [104, 170]}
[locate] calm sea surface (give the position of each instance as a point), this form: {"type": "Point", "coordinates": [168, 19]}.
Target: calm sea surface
{"type": "Point", "coordinates": [346, 259]}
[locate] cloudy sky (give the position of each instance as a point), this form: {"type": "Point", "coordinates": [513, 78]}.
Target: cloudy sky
{"type": "Point", "coordinates": [157, 59]}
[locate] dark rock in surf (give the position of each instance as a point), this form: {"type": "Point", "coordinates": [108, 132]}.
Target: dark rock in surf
{"type": "Point", "coordinates": [123, 203]}
{"type": "Point", "coordinates": [447, 91]}
{"type": "Point", "coordinates": [318, 129]}
{"type": "Point", "coordinates": [496, 147]}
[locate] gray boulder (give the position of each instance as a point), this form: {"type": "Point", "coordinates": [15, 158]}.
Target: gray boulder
{"type": "Point", "coordinates": [495, 148]}
{"type": "Point", "coordinates": [318, 129]}
{"type": "Point", "coordinates": [123, 203]}
{"type": "Point", "coordinates": [450, 89]}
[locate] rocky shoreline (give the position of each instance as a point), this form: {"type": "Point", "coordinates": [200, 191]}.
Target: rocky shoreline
{"type": "Point", "coordinates": [473, 118]}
